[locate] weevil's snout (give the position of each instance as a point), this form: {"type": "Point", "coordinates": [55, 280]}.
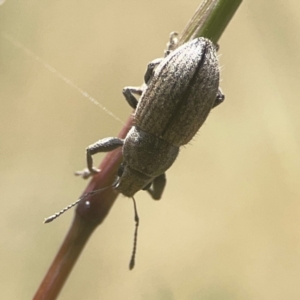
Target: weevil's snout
{"type": "Point", "coordinates": [130, 181]}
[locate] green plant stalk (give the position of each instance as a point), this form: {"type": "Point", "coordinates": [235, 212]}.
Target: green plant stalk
{"type": "Point", "coordinates": [209, 20]}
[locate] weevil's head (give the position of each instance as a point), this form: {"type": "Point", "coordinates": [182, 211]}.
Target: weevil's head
{"type": "Point", "coordinates": [131, 181]}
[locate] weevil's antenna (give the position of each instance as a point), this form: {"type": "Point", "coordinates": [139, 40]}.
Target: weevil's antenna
{"type": "Point", "coordinates": [56, 215]}
{"type": "Point", "coordinates": [137, 222]}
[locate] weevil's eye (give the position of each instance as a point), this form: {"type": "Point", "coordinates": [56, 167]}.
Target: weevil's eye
{"type": "Point", "coordinates": [121, 170]}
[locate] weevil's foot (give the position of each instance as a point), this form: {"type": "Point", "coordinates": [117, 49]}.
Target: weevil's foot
{"type": "Point", "coordinates": [173, 37]}
{"type": "Point", "coordinates": [86, 173]}
{"type": "Point", "coordinates": [173, 41]}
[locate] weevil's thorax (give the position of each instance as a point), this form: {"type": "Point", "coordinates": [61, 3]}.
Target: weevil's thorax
{"type": "Point", "coordinates": [131, 181]}
{"type": "Point", "coordinates": [145, 157]}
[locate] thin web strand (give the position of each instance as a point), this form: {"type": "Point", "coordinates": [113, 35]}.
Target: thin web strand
{"type": "Point", "coordinates": [51, 69]}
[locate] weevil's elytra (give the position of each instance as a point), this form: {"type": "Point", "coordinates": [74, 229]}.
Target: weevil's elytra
{"type": "Point", "coordinates": [180, 91]}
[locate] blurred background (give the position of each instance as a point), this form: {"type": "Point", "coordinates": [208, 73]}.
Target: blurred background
{"type": "Point", "coordinates": [228, 226]}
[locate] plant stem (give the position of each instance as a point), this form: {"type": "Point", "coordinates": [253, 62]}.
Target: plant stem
{"type": "Point", "coordinates": [210, 20]}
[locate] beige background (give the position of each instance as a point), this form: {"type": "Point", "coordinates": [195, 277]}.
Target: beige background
{"type": "Point", "coordinates": [228, 226]}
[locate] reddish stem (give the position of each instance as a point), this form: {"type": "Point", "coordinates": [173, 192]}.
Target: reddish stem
{"type": "Point", "coordinates": [90, 213]}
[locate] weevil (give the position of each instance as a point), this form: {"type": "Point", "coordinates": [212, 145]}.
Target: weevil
{"type": "Point", "coordinates": [179, 92]}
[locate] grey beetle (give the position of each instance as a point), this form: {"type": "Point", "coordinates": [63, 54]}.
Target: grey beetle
{"type": "Point", "coordinates": [179, 92]}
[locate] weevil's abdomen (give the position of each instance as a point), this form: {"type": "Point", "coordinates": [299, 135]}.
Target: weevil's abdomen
{"type": "Point", "coordinates": [181, 93]}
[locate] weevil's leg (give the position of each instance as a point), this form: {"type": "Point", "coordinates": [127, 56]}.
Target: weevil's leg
{"type": "Point", "coordinates": [150, 69]}
{"type": "Point", "coordinates": [219, 99]}
{"type": "Point", "coordinates": [157, 187]}
{"type": "Point", "coordinates": [172, 44]}
{"type": "Point", "coordinates": [104, 145]}
{"type": "Point", "coordinates": [138, 90]}
{"type": "Point", "coordinates": [130, 90]}
{"type": "Point", "coordinates": [130, 98]}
